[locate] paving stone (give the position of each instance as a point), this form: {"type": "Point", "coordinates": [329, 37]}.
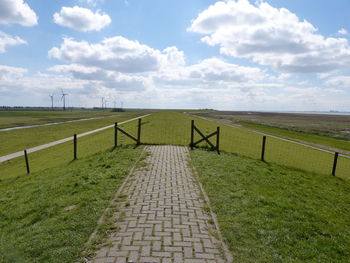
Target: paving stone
{"type": "Point", "coordinates": [164, 220]}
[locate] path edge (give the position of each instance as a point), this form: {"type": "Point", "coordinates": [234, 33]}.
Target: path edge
{"type": "Point", "coordinates": [110, 204]}
{"type": "Point", "coordinates": [227, 253]}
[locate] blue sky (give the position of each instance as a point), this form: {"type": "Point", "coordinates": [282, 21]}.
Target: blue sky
{"type": "Point", "coordinates": [229, 55]}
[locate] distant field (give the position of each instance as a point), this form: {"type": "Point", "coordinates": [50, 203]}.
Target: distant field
{"type": "Point", "coordinates": [23, 118]}
{"type": "Point", "coordinates": [17, 140]}
{"type": "Point", "coordinates": [320, 129]}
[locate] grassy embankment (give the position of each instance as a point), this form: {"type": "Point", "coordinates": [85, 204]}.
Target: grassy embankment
{"type": "Point", "coordinates": [17, 140]}
{"type": "Point", "coordinates": [49, 215]}
{"type": "Point", "coordinates": [174, 128]}
{"type": "Point", "coordinates": [269, 213]}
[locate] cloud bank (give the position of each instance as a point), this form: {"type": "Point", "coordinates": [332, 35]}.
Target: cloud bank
{"type": "Point", "coordinates": [270, 36]}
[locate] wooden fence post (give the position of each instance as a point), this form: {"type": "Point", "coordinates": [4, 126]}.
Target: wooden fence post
{"type": "Point", "coordinates": [335, 163]}
{"type": "Point", "coordinates": [192, 134]}
{"type": "Point", "coordinates": [218, 139]}
{"type": "Point", "coordinates": [115, 134]}
{"type": "Point", "coordinates": [27, 162]}
{"type": "Point", "coordinates": [263, 149]}
{"type": "Point", "coordinates": [75, 146]}
{"type": "Point", "coordinates": [139, 132]}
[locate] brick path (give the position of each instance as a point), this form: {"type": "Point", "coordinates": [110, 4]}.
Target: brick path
{"type": "Point", "coordinates": [162, 220]}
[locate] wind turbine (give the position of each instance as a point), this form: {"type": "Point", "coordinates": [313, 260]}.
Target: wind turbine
{"type": "Point", "coordinates": [51, 96]}
{"type": "Point", "coordinates": [64, 99]}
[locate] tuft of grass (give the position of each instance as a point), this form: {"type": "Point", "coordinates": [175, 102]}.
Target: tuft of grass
{"type": "Point", "coordinates": [35, 224]}
{"type": "Point", "coordinates": [270, 213]}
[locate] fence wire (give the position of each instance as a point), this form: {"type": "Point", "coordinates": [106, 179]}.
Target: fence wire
{"type": "Point", "coordinates": [174, 128]}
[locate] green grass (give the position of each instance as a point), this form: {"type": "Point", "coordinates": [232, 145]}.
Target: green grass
{"type": "Point", "coordinates": [328, 125]}
{"type": "Point", "coordinates": [23, 118]}
{"type": "Point", "coordinates": [269, 213]}
{"type": "Point", "coordinates": [17, 140]}
{"type": "Point", "coordinates": [62, 153]}
{"type": "Point", "coordinates": [320, 141]}
{"type": "Point", "coordinates": [36, 224]}
{"type": "Point", "coordinates": [168, 127]}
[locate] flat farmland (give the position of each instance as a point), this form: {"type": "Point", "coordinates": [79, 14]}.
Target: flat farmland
{"type": "Point", "coordinates": [17, 118]}
{"type": "Point", "coordinates": [16, 140]}
{"type": "Point", "coordinates": [330, 131]}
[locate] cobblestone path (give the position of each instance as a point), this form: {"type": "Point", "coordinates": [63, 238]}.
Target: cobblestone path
{"type": "Point", "coordinates": [163, 219]}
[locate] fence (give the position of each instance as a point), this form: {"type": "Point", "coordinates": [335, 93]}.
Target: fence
{"type": "Point", "coordinates": [176, 129]}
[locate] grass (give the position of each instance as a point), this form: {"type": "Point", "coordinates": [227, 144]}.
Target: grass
{"type": "Point", "coordinates": [270, 213]}
{"type": "Point", "coordinates": [59, 154]}
{"type": "Point", "coordinates": [322, 125]}
{"type": "Point", "coordinates": [49, 215]}
{"type": "Point", "coordinates": [23, 118]}
{"type": "Point", "coordinates": [168, 127]}
{"type": "Point", "coordinates": [17, 140]}
{"type": "Point", "coordinates": [321, 141]}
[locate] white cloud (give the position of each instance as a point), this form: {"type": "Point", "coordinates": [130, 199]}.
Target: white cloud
{"type": "Point", "coordinates": [109, 79]}
{"type": "Point", "coordinates": [17, 12]}
{"type": "Point", "coordinates": [7, 40]}
{"type": "Point", "coordinates": [343, 31]}
{"type": "Point", "coordinates": [270, 36]}
{"type": "Point", "coordinates": [81, 19]}
{"type": "Point", "coordinates": [8, 73]}
{"type": "Point", "coordinates": [118, 54]}
{"type": "Point", "coordinates": [209, 72]}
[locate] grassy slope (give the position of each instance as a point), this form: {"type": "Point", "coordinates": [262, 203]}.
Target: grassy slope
{"type": "Point", "coordinates": [269, 213]}
{"type": "Point", "coordinates": [35, 227]}
{"type": "Point", "coordinates": [309, 138]}
{"type": "Point", "coordinates": [17, 140]}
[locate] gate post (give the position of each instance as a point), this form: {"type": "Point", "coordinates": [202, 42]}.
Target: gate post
{"type": "Point", "coordinates": [335, 163]}
{"type": "Point", "coordinates": [115, 134]}
{"type": "Point", "coordinates": [263, 149]}
{"type": "Point", "coordinates": [75, 146]}
{"type": "Point", "coordinates": [27, 162]}
{"type": "Point", "coordinates": [192, 134]}
{"type": "Point", "coordinates": [139, 133]}
{"type": "Point", "coordinates": [218, 140]}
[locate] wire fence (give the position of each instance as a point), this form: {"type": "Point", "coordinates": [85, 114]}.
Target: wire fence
{"type": "Point", "coordinates": [173, 128]}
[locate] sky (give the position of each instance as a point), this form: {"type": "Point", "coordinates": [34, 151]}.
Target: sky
{"type": "Point", "coordinates": [272, 55]}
